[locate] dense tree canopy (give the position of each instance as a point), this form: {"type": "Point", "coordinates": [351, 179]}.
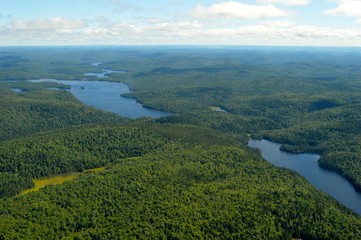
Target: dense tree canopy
{"type": "Point", "coordinates": [187, 175]}
{"type": "Point", "coordinates": [179, 193]}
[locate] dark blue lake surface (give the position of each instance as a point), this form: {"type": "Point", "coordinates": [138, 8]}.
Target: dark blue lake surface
{"type": "Point", "coordinates": [107, 96]}
{"type": "Point", "coordinates": [306, 165]}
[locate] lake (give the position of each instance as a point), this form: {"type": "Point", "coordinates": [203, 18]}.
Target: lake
{"type": "Point", "coordinates": [107, 96]}
{"type": "Point", "coordinates": [306, 165]}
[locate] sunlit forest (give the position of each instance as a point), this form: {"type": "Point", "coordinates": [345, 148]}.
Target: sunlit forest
{"type": "Point", "coordinates": [188, 175]}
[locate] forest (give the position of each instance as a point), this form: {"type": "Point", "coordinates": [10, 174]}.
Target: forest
{"type": "Point", "coordinates": [188, 175]}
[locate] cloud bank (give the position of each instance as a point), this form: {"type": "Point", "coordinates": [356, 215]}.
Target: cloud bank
{"type": "Point", "coordinates": [238, 10]}
{"type": "Point", "coordinates": [61, 31]}
{"type": "Point", "coordinates": [226, 23]}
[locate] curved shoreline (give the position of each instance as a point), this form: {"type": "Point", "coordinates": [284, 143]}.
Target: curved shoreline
{"type": "Point", "coordinates": [307, 165]}
{"type": "Point", "coordinates": [320, 162]}
{"type": "Point", "coordinates": [107, 95]}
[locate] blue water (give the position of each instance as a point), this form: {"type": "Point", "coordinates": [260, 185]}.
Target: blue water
{"type": "Point", "coordinates": [107, 96]}
{"type": "Point", "coordinates": [17, 90]}
{"type": "Point", "coordinates": [306, 165]}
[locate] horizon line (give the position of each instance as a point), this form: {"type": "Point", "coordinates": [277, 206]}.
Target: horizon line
{"type": "Point", "coordinates": [185, 45]}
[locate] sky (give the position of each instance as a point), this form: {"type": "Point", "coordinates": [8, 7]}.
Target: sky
{"type": "Point", "coordinates": [180, 22]}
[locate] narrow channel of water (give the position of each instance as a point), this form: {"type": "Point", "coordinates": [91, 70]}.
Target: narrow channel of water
{"type": "Point", "coordinates": [103, 74]}
{"type": "Point", "coordinates": [306, 165]}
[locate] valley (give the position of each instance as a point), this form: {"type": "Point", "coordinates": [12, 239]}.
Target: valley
{"type": "Point", "coordinates": [183, 171]}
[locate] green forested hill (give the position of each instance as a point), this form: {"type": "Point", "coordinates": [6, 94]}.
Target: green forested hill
{"type": "Point", "coordinates": [184, 176]}
{"type": "Point", "coordinates": [307, 99]}
{"type": "Point", "coordinates": [181, 193]}
{"type": "Point", "coordinates": [31, 112]}
{"type": "Point", "coordinates": [70, 150]}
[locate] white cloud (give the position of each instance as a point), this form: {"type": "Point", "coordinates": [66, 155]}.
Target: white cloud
{"type": "Point", "coordinates": [60, 31]}
{"type": "Point", "coordinates": [173, 26]}
{"type": "Point", "coordinates": [287, 2]}
{"type": "Point", "coordinates": [346, 8]}
{"type": "Point", "coordinates": [280, 23]}
{"type": "Point", "coordinates": [282, 32]}
{"type": "Point", "coordinates": [233, 9]}
{"type": "Point", "coordinates": [53, 24]}
{"type": "Point", "coordinates": [290, 34]}
{"type": "Point", "coordinates": [54, 31]}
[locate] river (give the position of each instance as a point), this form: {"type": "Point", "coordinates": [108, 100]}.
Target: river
{"type": "Point", "coordinates": [306, 164]}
